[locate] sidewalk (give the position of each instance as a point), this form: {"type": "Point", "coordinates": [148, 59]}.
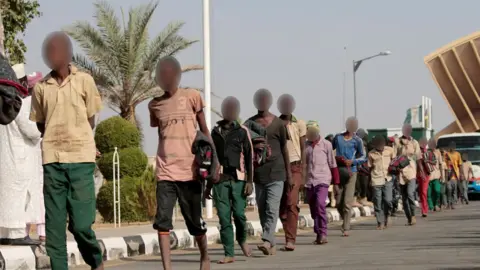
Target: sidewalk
{"type": "Point", "coordinates": [134, 240]}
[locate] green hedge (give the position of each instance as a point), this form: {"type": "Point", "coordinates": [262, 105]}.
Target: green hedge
{"type": "Point", "coordinates": [116, 132]}
{"type": "Point", "coordinates": [133, 162]}
{"type": "Point", "coordinates": [129, 203]}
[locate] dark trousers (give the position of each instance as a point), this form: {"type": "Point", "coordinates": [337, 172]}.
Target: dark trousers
{"type": "Point", "coordinates": [289, 205]}
{"type": "Point", "coordinates": [361, 186]}
{"type": "Point", "coordinates": [408, 198]}
{"type": "Point", "coordinates": [189, 195]}
{"type": "Point", "coordinates": [230, 201]}
{"type": "Point", "coordinates": [69, 189]}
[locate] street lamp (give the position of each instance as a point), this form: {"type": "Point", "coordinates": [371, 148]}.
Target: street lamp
{"type": "Point", "coordinates": [356, 65]}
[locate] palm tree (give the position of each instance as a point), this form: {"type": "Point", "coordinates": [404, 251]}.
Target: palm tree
{"type": "Point", "coordinates": [122, 57]}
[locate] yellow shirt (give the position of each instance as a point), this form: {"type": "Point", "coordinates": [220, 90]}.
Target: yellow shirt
{"type": "Point", "coordinates": [296, 129]}
{"type": "Point", "coordinates": [378, 163]}
{"type": "Point", "coordinates": [65, 110]}
{"type": "Point", "coordinates": [453, 161]}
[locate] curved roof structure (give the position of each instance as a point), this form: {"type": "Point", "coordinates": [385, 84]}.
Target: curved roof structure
{"type": "Point", "coordinates": [455, 68]}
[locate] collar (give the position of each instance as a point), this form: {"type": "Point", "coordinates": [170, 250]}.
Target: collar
{"type": "Point", "coordinates": [49, 79]}
{"type": "Point", "coordinates": [284, 117]}
{"type": "Point", "coordinates": [316, 142]}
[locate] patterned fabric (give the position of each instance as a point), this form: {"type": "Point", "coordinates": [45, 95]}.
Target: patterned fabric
{"type": "Point", "coordinates": [261, 150]}
{"type": "Point", "coordinates": [430, 161]}
{"type": "Point", "coordinates": [10, 96]}
{"type": "Point", "coordinates": [398, 164]}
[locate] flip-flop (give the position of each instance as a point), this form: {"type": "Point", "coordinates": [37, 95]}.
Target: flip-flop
{"type": "Point", "coordinates": [287, 249]}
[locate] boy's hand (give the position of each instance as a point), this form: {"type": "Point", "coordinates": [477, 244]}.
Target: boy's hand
{"type": "Point", "coordinates": [248, 190]}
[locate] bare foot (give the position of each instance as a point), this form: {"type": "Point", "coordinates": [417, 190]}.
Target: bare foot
{"type": "Point", "coordinates": [289, 246]}
{"type": "Point", "coordinates": [205, 263]}
{"type": "Point", "coordinates": [226, 260]}
{"type": "Point", "coordinates": [247, 251]}
{"type": "Point", "coordinates": [266, 248]}
{"type": "Point", "coordinates": [345, 234]}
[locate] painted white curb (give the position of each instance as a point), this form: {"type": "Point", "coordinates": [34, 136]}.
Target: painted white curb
{"type": "Point", "coordinates": [16, 257]}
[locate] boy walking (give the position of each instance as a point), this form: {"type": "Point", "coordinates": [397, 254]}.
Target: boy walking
{"type": "Point", "coordinates": [234, 148]}
{"type": "Point", "coordinates": [378, 161]}
{"type": "Point", "coordinates": [176, 114]}
{"type": "Point", "coordinates": [436, 175]}
{"type": "Point", "coordinates": [466, 175]}
{"type": "Point", "coordinates": [321, 172]}
{"type": "Point", "coordinates": [64, 105]}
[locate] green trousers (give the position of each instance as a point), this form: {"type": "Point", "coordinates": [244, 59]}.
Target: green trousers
{"type": "Point", "coordinates": [231, 201]}
{"type": "Point", "coordinates": [434, 194]}
{"type": "Point", "coordinates": [69, 189]}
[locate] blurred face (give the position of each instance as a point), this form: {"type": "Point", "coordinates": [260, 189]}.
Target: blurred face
{"type": "Point", "coordinates": [352, 125]}
{"type": "Point", "coordinates": [262, 100]}
{"type": "Point", "coordinates": [230, 109]}
{"type": "Point", "coordinates": [432, 144]}
{"type": "Point", "coordinates": [379, 144]}
{"type": "Point", "coordinates": [168, 76]}
{"type": "Point", "coordinates": [286, 104]}
{"type": "Point", "coordinates": [58, 52]}
{"type": "Point", "coordinates": [407, 130]}
{"type": "Point", "coordinates": [312, 134]}
{"type": "Point", "coordinates": [423, 142]}
{"type": "Point", "coordinates": [452, 146]}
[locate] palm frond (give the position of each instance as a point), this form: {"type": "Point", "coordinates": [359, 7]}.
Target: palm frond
{"type": "Point", "coordinates": [189, 68]}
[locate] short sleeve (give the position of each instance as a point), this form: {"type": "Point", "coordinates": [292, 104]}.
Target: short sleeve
{"type": "Point", "coordinates": [37, 114]}
{"type": "Point", "coordinates": [93, 102]}
{"type": "Point", "coordinates": [196, 101]}
{"type": "Point", "coordinates": [302, 128]}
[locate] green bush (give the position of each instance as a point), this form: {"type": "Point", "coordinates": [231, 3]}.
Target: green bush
{"type": "Point", "coordinates": [129, 201]}
{"type": "Point", "coordinates": [133, 162]}
{"type": "Point", "coordinates": [116, 132]}
{"type": "Point", "coordinates": [146, 190]}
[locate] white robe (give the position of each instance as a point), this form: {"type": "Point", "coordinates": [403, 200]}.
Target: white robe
{"type": "Point", "coordinates": [21, 177]}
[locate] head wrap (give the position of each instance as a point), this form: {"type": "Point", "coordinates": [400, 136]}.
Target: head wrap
{"type": "Point", "coordinates": [10, 93]}
{"type": "Point", "coordinates": [313, 125]}
{"type": "Point", "coordinates": [34, 78]}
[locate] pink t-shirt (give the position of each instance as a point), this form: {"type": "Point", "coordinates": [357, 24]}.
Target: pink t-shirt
{"type": "Point", "coordinates": [176, 120]}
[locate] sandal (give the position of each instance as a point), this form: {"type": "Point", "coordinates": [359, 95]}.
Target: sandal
{"type": "Point", "coordinates": [266, 249]}
{"type": "Point", "coordinates": [288, 247]}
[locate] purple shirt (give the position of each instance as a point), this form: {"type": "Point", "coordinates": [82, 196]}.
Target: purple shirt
{"type": "Point", "coordinates": [320, 159]}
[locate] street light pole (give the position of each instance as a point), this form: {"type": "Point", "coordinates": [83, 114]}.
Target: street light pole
{"type": "Point", "coordinates": [355, 66]}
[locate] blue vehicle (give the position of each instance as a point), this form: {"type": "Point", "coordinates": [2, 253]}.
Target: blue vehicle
{"type": "Point", "coordinates": [466, 143]}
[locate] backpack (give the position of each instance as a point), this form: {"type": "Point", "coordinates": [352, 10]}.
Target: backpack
{"type": "Point", "coordinates": [398, 164]}
{"type": "Point", "coordinates": [261, 149]}
{"type": "Point", "coordinates": [430, 160]}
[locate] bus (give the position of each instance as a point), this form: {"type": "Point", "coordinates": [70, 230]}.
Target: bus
{"type": "Point", "coordinates": [466, 143]}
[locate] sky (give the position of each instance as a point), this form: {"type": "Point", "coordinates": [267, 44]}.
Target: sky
{"type": "Point", "coordinates": [297, 47]}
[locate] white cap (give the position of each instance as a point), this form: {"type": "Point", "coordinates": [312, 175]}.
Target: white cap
{"type": "Point", "coordinates": [19, 70]}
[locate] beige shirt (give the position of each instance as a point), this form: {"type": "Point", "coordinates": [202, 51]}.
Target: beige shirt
{"type": "Point", "coordinates": [438, 172]}
{"type": "Point", "coordinates": [176, 119]}
{"type": "Point", "coordinates": [466, 168]}
{"type": "Point", "coordinates": [65, 110]}
{"type": "Point", "coordinates": [296, 129]}
{"type": "Point", "coordinates": [378, 163]}
{"type": "Point", "coordinates": [411, 149]}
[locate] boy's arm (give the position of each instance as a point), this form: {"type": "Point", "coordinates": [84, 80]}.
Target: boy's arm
{"type": "Point", "coordinates": [248, 155]}
{"type": "Point", "coordinates": [284, 149]}
{"type": "Point", "coordinates": [362, 155]}
{"type": "Point", "coordinates": [370, 161]}
{"type": "Point", "coordinates": [333, 165]}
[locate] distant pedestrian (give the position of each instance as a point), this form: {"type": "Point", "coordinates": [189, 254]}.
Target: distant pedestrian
{"type": "Point", "coordinates": [453, 160]}
{"type": "Point", "coordinates": [321, 172]}
{"type": "Point", "coordinates": [378, 161]}
{"type": "Point", "coordinates": [296, 130]}
{"type": "Point", "coordinates": [64, 105]}
{"type": "Point", "coordinates": [434, 191]}
{"type": "Point", "coordinates": [407, 146]}
{"type": "Point", "coordinates": [363, 180]}
{"type": "Point", "coordinates": [423, 174]}
{"type": "Point", "coordinates": [236, 178]}
{"type": "Point", "coordinates": [349, 154]}
{"type": "Point", "coordinates": [273, 172]}
{"type": "Point", "coordinates": [177, 114]}
{"type": "Point", "coordinates": [466, 176]}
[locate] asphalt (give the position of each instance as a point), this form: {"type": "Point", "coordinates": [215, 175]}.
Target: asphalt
{"type": "Point", "coordinates": [445, 240]}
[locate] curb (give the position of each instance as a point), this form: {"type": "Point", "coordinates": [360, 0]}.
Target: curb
{"type": "Point", "coordinates": [114, 248]}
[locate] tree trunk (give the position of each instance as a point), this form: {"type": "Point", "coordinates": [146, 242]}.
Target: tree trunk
{"type": "Point", "coordinates": [2, 35]}
{"type": "Point", "coordinates": [128, 113]}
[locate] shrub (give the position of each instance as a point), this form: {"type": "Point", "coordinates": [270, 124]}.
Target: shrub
{"type": "Point", "coordinates": [146, 190]}
{"type": "Point", "coordinates": [133, 162]}
{"type": "Point", "coordinates": [129, 206]}
{"type": "Point", "coordinates": [116, 132]}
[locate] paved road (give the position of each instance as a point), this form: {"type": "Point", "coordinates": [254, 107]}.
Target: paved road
{"type": "Point", "coordinates": [446, 240]}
